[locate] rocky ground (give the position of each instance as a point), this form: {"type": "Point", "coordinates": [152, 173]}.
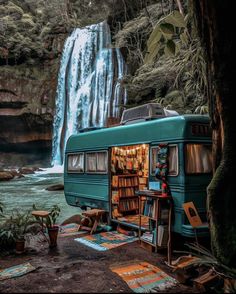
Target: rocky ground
{"type": "Point", "coordinates": [75, 268]}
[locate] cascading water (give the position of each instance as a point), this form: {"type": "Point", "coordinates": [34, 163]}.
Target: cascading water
{"type": "Point", "coordinates": [89, 89]}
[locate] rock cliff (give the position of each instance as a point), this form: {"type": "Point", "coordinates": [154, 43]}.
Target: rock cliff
{"type": "Point", "coordinates": [31, 44]}
{"type": "Point", "coordinates": [27, 98]}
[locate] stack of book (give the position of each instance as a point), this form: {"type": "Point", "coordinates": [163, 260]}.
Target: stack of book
{"type": "Point", "coordinates": [147, 236]}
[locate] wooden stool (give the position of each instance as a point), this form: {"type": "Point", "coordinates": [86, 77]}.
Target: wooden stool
{"type": "Point", "coordinates": [95, 215]}
{"type": "Point", "coordinates": [41, 214]}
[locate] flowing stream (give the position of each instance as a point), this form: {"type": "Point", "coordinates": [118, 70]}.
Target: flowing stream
{"type": "Point", "coordinates": [24, 192]}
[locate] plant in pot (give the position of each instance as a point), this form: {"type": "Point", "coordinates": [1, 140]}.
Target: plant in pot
{"type": "Point", "coordinates": [15, 229]}
{"type": "Point", "coordinates": [21, 228]}
{"type": "Point", "coordinates": [51, 226]}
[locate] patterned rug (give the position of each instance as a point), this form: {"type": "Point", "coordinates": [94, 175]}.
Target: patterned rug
{"type": "Point", "coordinates": [16, 271]}
{"type": "Point", "coordinates": [142, 277]}
{"type": "Point", "coordinates": [106, 240]}
{"type": "Point", "coordinates": [70, 230]}
{"type": "Point", "coordinates": [134, 219]}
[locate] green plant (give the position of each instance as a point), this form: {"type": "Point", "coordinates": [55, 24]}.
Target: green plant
{"type": "Point", "coordinates": [20, 223]}
{"type": "Point", "coordinates": [53, 215]}
{"type": "Point", "coordinates": [166, 36]}
{"type": "Point", "coordinates": [16, 226]}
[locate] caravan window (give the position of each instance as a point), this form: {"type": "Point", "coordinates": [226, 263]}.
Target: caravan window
{"type": "Point", "coordinates": [75, 162]}
{"type": "Point", "coordinates": [91, 162]}
{"type": "Point", "coordinates": [96, 162]}
{"type": "Point", "coordinates": [198, 158]}
{"type": "Point", "coordinates": [172, 160]}
{"type": "Point", "coordinates": [102, 161]}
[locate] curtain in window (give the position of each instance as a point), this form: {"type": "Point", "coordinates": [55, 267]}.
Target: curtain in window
{"type": "Point", "coordinates": [173, 160]}
{"type": "Point", "coordinates": [76, 162]}
{"type": "Point", "coordinates": [91, 162]}
{"type": "Point", "coordinates": [101, 161]}
{"type": "Point", "coordinates": [198, 158]}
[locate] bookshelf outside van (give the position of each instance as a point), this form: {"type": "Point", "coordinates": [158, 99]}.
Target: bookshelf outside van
{"type": "Point", "coordinates": [158, 210]}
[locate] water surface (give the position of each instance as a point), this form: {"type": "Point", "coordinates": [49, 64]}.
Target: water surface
{"type": "Point", "coordinates": [24, 192]}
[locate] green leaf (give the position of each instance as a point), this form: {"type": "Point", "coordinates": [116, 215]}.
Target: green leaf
{"type": "Point", "coordinates": [170, 47]}
{"type": "Point", "coordinates": [155, 36]}
{"type": "Point", "coordinates": [150, 56]}
{"type": "Point", "coordinates": [176, 19]}
{"type": "Point", "coordinates": [167, 29]}
{"type": "Point", "coordinates": [184, 38]}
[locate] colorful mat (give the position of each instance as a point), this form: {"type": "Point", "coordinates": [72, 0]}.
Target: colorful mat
{"type": "Point", "coordinates": [16, 271]}
{"type": "Point", "coordinates": [134, 219]}
{"type": "Point", "coordinates": [142, 277]}
{"type": "Point", "coordinates": [106, 240]}
{"type": "Point", "coordinates": [70, 230]}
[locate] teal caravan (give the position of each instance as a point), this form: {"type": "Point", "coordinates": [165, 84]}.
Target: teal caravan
{"type": "Point", "coordinates": [105, 167]}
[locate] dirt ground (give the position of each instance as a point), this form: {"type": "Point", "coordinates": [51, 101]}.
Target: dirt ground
{"type": "Point", "coordinates": [76, 268]}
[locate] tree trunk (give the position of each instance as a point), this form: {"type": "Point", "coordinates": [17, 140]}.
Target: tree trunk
{"type": "Point", "coordinates": [215, 19]}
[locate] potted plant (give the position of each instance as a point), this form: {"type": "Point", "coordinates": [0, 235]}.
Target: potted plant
{"type": "Point", "coordinates": [15, 229]}
{"type": "Point", "coordinates": [51, 226]}
{"type": "Point", "coordinates": [21, 228]}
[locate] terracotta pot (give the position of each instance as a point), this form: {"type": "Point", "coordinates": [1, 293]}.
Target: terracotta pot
{"type": "Point", "coordinates": [53, 233]}
{"type": "Point", "coordinates": [20, 246]}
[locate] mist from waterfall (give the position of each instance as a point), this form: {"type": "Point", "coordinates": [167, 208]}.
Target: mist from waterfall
{"type": "Point", "coordinates": [89, 89]}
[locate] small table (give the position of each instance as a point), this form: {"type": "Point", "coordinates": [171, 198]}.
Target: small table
{"type": "Point", "coordinates": [95, 215]}
{"type": "Point", "coordinates": [41, 214]}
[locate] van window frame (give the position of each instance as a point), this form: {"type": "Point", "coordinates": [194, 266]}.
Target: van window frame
{"type": "Point", "coordinates": [75, 171]}
{"type": "Point", "coordinates": [96, 172]}
{"type": "Point", "coordinates": [169, 145]}
{"type": "Point", "coordinates": [184, 153]}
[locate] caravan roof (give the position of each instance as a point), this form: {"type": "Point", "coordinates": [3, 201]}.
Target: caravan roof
{"type": "Point", "coordinates": [159, 130]}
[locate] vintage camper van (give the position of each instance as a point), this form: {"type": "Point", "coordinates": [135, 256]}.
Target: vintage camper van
{"type": "Point", "coordinates": [105, 167]}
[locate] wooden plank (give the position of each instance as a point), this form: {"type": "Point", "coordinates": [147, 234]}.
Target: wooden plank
{"type": "Point", "coordinates": [184, 267]}
{"type": "Point", "coordinates": [206, 280]}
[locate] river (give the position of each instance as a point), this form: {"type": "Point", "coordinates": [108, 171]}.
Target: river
{"type": "Point", "coordinates": [22, 193]}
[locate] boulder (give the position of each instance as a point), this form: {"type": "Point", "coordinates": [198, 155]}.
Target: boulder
{"type": "Point", "coordinates": [56, 187]}
{"type": "Point", "coordinates": [26, 170]}
{"type": "Point", "coordinates": [74, 219]}
{"type": "Point", "coordinates": [15, 173]}
{"type": "Point", "coordinates": [6, 176]}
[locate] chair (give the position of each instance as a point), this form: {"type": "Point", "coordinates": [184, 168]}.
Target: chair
{"type": "Point", "coordinates": [193, 217]}
{"type": "Point", "coordinates": [41, 215]}
{"type": "Point", "coordinates": [95, 215]}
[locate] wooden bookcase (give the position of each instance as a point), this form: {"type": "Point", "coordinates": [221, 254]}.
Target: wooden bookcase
{"type": "Point", "coordinates": [158, 210]}
{"type": "Point", "coordinates": [123, 193]}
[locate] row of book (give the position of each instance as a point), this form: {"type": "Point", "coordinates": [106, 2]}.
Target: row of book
{"type": "Point", "coordinates": [125, 181]}
{"type": "Point", "coordinates": [131, 204]}
{"type": "Point", "coordinates": [150, 208]}
{"type": "Point", "coordinates": [127, 192]}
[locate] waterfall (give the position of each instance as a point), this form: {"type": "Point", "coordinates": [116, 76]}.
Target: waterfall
{"type": "Point", "coordinates": [89, 89]}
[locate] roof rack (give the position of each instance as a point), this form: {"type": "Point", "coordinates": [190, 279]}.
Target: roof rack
{"type": "Point", "coordinates": [145, 112]}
